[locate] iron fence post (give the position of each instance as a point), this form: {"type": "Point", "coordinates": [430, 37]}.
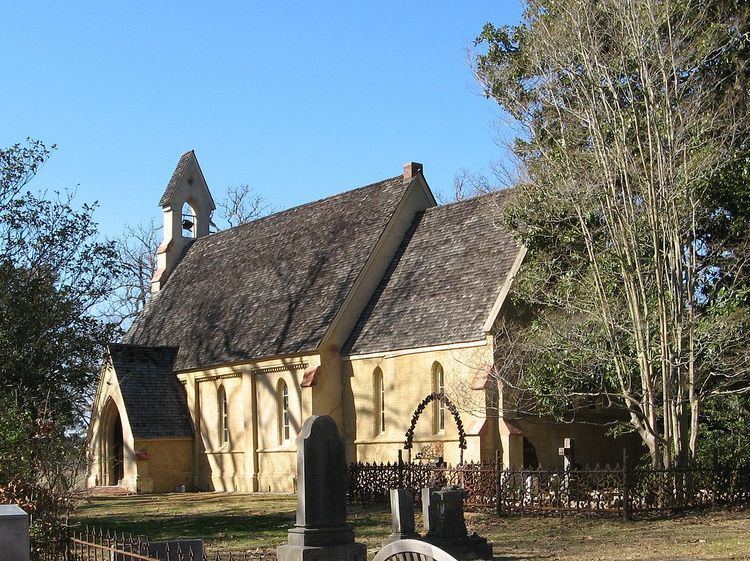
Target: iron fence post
{"type": "Point", "coordinates": [499, 482]}
{"type": "Point", "coordinates": [400, 469]}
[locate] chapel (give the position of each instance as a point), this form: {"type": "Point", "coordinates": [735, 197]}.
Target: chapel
{"type": "Point", "coordinates": [358, 306]}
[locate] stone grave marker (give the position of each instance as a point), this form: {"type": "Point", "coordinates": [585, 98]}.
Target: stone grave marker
{"type": "Point", "coordinates": [14, 533]}
{"type": "Point", "coordinates": [321, 532]}
{"type": "Point", "coordinates": [429, 515]}
{"type": "Point", "coordinates": [402, 517]}
{"type": "Point", "coordinates": [443, 511]}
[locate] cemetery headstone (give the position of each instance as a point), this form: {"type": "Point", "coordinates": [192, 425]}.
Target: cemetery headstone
{"type": "Point", "coordinates": [429, 516]}
{"type": "Point", "coordinates": [569, 485]}
{"type": "Point", "coordinates": [447, 526]}
{"type": "Point", "coordinates": [321, 532]}
{"type": "Point", "coordinates": [14, 533]}
{"type": "Point", "coordinates": [402, 516]}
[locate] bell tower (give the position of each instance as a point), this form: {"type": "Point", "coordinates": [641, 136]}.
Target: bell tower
{"type": "Point", "coordinates": [187, 205]}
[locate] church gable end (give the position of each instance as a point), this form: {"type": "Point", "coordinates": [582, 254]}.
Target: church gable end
{"type": "Point", "coordinates": [153, 396]}
{"type": "Point", "coordinates": [443, 281]}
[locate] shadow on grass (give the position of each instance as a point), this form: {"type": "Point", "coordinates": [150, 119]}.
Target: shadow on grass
{"type": "Point", "coordinates": [253, 529]}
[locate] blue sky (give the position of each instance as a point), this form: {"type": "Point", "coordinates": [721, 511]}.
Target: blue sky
{"type": "Point", "coordinates": [300, 100]}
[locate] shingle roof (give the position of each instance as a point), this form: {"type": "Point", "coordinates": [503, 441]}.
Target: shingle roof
{"type": "Point", "coordinates": [443, 281]}
{"type": "Point", "coordinates": [154, 398]}
{"type": "Point", "coordinates": [271, 286]}
{"type": "Point", "coordinates": [174, 181]}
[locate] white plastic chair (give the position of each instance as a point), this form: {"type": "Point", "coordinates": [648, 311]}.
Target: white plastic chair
{"type": "Point", "coordinates": [412, 550]}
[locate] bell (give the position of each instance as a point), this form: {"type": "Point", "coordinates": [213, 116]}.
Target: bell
{"type": "Point", "coordinates": [187, 225]}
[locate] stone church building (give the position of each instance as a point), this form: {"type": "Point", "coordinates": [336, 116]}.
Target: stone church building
{"type": "Point", "coordinates": [356, 306]}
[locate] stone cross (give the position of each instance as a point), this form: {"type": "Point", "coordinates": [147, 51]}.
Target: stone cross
{"type": "Point", "coordinates": [321, 532]}
{"type": "Point", "coordinates": [567, 452]}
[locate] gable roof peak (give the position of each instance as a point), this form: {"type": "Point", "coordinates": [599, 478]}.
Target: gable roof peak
{"type": "Point", "coordinates": [187, 161]}
{"type": "Point", "coordinates": [331, 199]}
{"type": "Point", "coordinates": [443, 282]}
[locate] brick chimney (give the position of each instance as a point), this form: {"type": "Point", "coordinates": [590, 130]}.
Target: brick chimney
{"type": "Point", "coordinates": [411, 170]}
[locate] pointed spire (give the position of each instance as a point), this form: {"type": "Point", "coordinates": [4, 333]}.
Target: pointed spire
{"type": "Point", "coordinates": [187, 189]}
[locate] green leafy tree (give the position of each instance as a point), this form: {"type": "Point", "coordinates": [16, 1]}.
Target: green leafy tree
{"type": "Point", "coordinates": [633, 204]}
{"type": "Point", "coordinates": [725, 425]}
{"type": "Point", "coordinates": [38, 467]}
{"type": "Point", "coordinates": [54, 276]}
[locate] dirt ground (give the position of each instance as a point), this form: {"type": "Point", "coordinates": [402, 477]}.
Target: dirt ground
{"type": "Point", "coordinates": [258, 523]}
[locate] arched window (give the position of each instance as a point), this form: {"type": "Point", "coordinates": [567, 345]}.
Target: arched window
{"type": "Point", "coordinates": [378, 398]}
{"type": "Point", "coordinates": [189, 221]}
{"type": "Point", "coordinates": [223, 416]}
{"type": "Point", "coordinates": [284, 429]}
{"type": "Point", "coordinates": [438, 386]}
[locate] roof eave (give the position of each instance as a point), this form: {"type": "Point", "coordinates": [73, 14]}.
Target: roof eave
{"type": "Point", "coordinates": [328, 336]}
{"type": "Point", "coordinates": [470, 343]}
{"type": "Point", "coordinates": [504, 290]}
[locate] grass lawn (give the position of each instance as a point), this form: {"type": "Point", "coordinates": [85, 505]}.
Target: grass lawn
{"type": "Point", "coordinates": [258, 523]}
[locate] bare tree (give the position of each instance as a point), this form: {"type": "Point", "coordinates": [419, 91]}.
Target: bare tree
{"type": "Point", "coordinates": [635, 134]}
{"type": "Point", "coordinates": [242, 204]}
{"type": "Point", "coordinates": [467, 184]}
{"type": "Point", "coordinates": [137, 252]}
{"type": "Point", "coordinates": [138, 244]}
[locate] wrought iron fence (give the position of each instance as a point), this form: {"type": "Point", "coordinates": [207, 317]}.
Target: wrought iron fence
{"type": "Point", "coordinates": [369, 483]}
{"type": "Point", "coordinates": [591, 490]}
{"type": "Point", "coordinates": [96, 544]}
{"type": "Point", "coordinates": [599, 489]}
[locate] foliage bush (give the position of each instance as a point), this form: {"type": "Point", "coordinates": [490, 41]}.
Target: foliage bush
{"type": "Point", "coordinates": [54, 275]}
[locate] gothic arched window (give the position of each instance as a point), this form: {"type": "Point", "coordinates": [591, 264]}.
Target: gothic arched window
{"type": "Point", "coordinates": [189, 221]}
{"type": "Point", "coordinates": [283, 405]}
{"type": "Point", "coordinates": [223, 416]}
{"type": "Point", "coordinates": [438, 386]}
{"type": "Point", "coordinates": [378, 398]}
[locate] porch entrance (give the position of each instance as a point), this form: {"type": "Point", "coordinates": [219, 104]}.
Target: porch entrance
{"type": "Point", "coordinates": [112, 452]}
{"type": "Point", "coordinates": [117, 470]}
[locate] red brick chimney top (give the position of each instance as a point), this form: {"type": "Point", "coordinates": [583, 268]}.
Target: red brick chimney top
{"type": "Point", "coordinates": [411, 170]}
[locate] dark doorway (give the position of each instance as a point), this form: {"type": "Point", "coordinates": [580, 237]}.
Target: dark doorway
{"type": "Point", "coordinates": [118, 464]}
{"type": "Point", "coordinates": [530, 460]}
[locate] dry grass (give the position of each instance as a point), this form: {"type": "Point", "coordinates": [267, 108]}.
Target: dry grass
{"type": "Point", "coordinates": [258, 523]}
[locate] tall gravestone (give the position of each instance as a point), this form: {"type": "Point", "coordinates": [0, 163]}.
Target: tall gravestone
{"type": "Point", "coordinates": [429, 516]}
{"type": "Point", "coordinates": [321, 532]}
